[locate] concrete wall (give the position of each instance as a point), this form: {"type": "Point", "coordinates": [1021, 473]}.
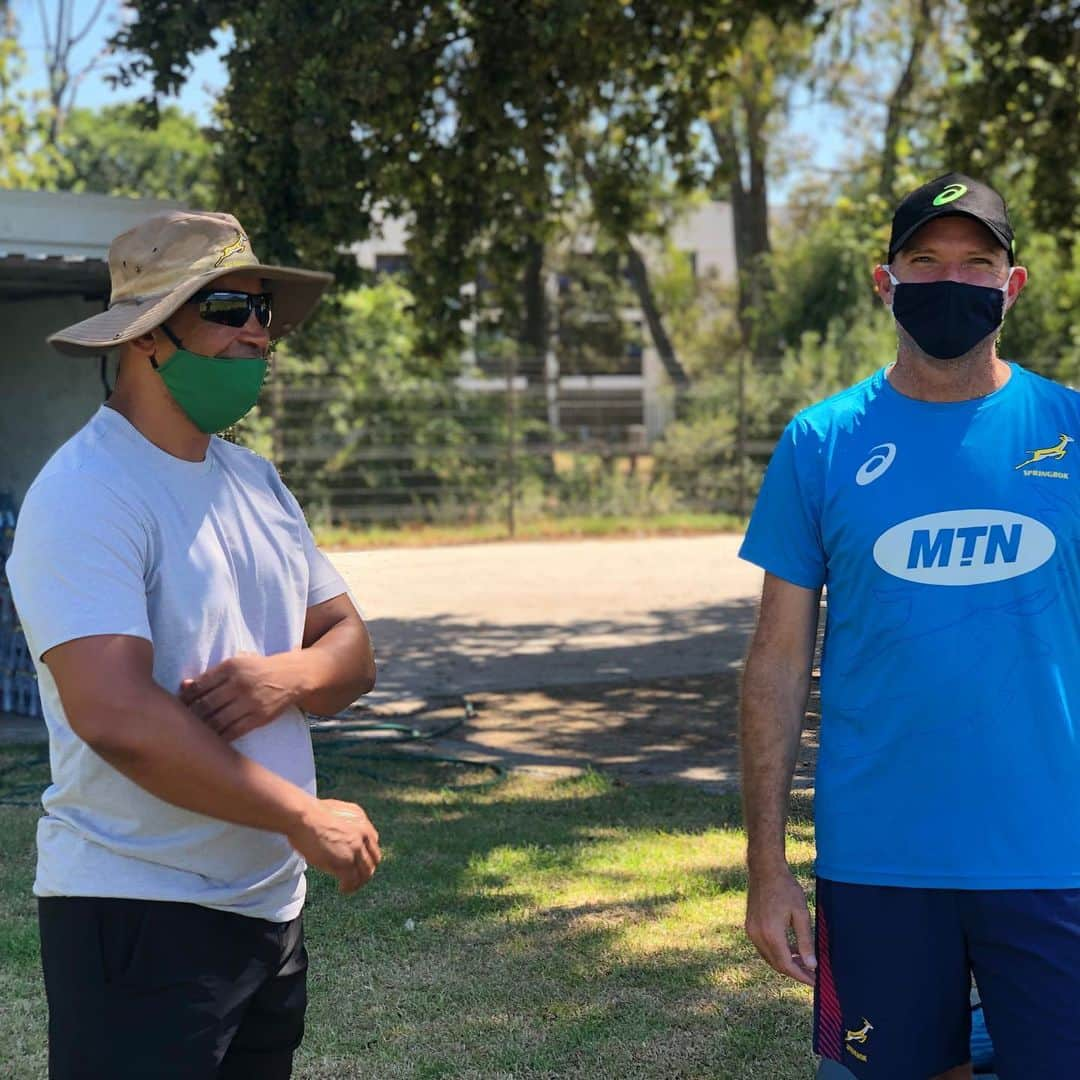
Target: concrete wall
{"type": "Point", "coordinates": [709, 232]}
{"type": "Point", "coordinates": [44, 397]}
{"type": "Point", "coordinates": [62, 223]}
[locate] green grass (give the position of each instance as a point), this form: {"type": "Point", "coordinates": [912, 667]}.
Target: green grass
{"type": "Point", "coordinates": [518, 928]}
{"type": "Point", "coordinates": [557, 528]}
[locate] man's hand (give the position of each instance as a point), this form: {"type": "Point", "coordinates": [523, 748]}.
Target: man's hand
{"type": "Point", "coordinates": [775, 907]}
{"type": "Point", "coordinates": [240, 694]}
{"type": "Point", "coordinates": [338, 837]}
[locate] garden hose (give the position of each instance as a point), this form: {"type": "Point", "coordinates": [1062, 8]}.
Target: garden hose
{"type": "Point", "coordinates": [344, 734]}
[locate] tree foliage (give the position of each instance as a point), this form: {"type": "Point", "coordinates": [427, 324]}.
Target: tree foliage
{"type": "Point", "coordinates": [113, 151]}
{"type": "Point", "coordinates": [26, 158]}
{"type": "Point", "coordinates": [359, 420]}
{"type": "Point", "coordinates": [1017, 102]}
{"type": "Point", "coordinates": [456, 114]}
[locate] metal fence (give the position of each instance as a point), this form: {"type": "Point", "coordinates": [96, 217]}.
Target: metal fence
{"type": "Point", "coordinates": [509, 445]}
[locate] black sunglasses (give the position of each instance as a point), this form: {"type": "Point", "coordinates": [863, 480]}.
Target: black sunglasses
{"type": "Point", "coordinates": [228, 308]}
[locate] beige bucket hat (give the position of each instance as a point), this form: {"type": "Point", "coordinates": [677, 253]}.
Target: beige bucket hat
{"type": "Point", "coordinates": [161, 263]}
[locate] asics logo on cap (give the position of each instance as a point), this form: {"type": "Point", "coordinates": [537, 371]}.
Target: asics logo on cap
{"type": "Point", "coordinates": [950, 194]}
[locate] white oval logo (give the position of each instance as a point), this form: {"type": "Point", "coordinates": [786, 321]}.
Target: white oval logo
{"type": "Point", "coordinates": [964, 547]}
{"type": "Point", "coordinates": [881, 457]}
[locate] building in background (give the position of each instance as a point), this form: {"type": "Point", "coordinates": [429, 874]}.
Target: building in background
{"type": "Point", "coordinates": [628, 406]}
{"type": "Point", "coordinates": [53, 272]}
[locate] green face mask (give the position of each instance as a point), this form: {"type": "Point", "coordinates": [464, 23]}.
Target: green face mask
{"type": "Point", "coordinates": [213, 391]}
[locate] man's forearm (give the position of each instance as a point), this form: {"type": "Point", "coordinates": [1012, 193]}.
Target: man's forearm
{"type": "Point", "coordinates": [773, 707]}
{"type": "Point", "coordinates": [333, 671]}
{"type": "Point", "coordinates": [158, 743]}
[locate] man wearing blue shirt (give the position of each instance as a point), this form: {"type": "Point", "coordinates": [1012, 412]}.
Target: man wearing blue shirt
{"type": "Point", "coordinates": [938, 503]}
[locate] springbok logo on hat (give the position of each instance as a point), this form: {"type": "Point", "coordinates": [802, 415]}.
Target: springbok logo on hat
{"type": "Point", "coordinates": [237, 246]}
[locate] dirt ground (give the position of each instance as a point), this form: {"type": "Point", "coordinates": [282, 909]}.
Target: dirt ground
{"type": "Point", "coordinates": [620, 655]}
{"type": "Point", "coordinates": [499, 617]}
{"type": "Point", "coordinates": [674, 729]}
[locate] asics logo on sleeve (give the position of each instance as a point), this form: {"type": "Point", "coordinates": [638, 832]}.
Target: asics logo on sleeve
{"type": "Point", "coordinates": [877, 464]}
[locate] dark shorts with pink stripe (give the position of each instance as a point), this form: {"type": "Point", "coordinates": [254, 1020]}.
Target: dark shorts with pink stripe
{"type": "Point", "coordinates": [894, 978]}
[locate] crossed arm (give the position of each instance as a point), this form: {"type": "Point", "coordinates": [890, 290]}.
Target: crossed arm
{"type": "Point", "coordinates": [184, 756]}
{"type": "Point", "coordinates": [334, 667]}
{"type": "Point", "coordinates": [776, 681]}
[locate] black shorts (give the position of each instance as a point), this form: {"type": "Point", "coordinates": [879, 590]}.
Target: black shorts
{"type": "Point", "coordinates": [142, 988]}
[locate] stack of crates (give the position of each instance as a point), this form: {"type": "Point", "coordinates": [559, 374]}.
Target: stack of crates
{"type": "Point", "coordinates": [18, 681]}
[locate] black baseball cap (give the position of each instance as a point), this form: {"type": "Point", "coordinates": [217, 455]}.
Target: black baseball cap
{"type": "Point", "coordinates": [953, 193]}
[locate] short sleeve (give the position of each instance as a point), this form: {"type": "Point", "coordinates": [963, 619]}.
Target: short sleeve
{"type": "Point", "coordinates": [78, 564]}
{"type": "Point", "coordinates": [324, 582]}
{"type": "Point", "coordinates": [784, 534]}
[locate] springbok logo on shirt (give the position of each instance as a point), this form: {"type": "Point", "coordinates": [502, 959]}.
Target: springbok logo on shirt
{"type": "Point", "coordinates": [862, 1034]}
{"type": "Point", "coordinates": [1047, 453]}
{"type": "Point", "coordinates": [964, 547]}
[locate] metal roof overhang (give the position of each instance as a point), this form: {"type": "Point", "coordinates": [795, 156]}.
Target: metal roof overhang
{"type": "Point", "coordinates": [44, 277]}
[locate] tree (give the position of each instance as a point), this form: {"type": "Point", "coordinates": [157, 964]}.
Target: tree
{"type": "Point", "coordinates": [111, 151]}
{"type": "Point", "coordinates": [1017, 97]}
{"type": "Point", "coordinates": [631, 198]}
{"type": "Point", "coordinates": [358, 422]}
{"type": "Point", "coordinates": [454, 113]}
{"type": "Point", "coordinates": [26, 157]}
{"type": "Point", "coordinates": [741, 108]}
{"type": "Point", "coordinates": [60, 37]}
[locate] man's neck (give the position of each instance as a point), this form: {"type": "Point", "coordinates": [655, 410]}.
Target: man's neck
{"type": "Point", "coordinates": [975, 375]}
{"type": "Point", "coordinates": [162, 423]}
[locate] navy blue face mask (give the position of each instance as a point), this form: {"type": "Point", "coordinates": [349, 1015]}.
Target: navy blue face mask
{"type": "Point", "coordinates": [947, 318]}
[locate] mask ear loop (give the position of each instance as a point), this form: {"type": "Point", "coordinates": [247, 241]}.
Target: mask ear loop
{"type": "Point", "coordinates": [892, 278]}
{"type": "Point", "coordinates": [1005, 287]}
{"type": "Point", "coordinates": [164, 328]}
{"type": "Point", "coordinates": [172, 337]}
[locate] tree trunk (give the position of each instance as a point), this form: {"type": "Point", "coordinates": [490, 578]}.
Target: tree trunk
{"type": "Point", "coordinates": [534, 327]}
{"type": "Point", "coordinates": [639, 279]}
{"type": "Point", "coordinates": [900, 98]}
{"type": "Point", "coordinates": [750, 219]}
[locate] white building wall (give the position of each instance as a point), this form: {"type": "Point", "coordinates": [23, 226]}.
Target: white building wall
{"type": "Point", "coordinates": [44, 397]}
{"type": "Point", "coordinates": [709, 232]}
{"type": "Point", "coordinates": [70, 225]}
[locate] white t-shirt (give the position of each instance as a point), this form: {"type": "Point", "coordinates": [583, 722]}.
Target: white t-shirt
{"type": "Point", "coordinates": [205, 560]}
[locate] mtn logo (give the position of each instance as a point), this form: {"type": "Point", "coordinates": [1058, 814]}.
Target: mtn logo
{"type": "Point", "coordinates": [964, 547]}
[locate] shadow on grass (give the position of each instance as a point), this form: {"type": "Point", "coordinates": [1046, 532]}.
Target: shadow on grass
{"type": "Point", "coordinates": [495, 942]}
{"type": "Point", "coordinates": [661, 730]}
{"type": "Point", "coordinates": [517, 928]}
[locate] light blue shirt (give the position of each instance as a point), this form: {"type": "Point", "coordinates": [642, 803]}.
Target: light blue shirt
{"type": "Point", "coordinates": [946, 536]}
{"type": "Point", "coordinates": [204, 560]}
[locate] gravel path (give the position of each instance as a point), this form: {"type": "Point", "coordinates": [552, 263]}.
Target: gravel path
{"type": "Point", "coordinates": [619, 654]}
{"type": "Point", "coordinates": [498, 617]}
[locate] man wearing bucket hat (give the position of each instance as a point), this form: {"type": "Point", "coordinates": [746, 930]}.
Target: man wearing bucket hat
{"type": "Point", "coordinates": [938, 502]}
{"type": "Point", "coordinates": [181, 617]}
